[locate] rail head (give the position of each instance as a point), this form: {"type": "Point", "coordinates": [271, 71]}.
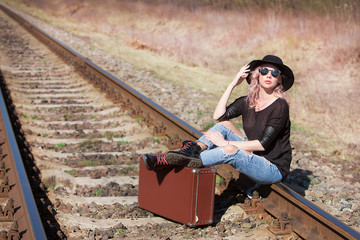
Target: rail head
{"type": "Point", "coordinates": [30, 207]}
{"type": "Point", "coordinates": [280, 193]}
{"type": "Point", "coordinates": [173, 125]}
{"type": "Point", "coordinates": [304, 214]}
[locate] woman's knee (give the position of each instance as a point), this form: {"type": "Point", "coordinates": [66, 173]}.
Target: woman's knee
{"type": "Point", "coordinates": [232, 127]}
{"type": "Point", "coordinates": [230, 149]}
{"type": "Point", "coordinates": [227, 124]}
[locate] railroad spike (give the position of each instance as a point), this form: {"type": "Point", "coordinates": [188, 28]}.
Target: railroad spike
{"type": "Point", "coordinates": [14, 231]}
{"type": "Point", "coordinates": [4, 187]}
{"type": "Point", "coordinates": [9, 209]}
{"type": "Point", "coordinates": [2, 170]}
{"type": "Point", "coordinates": [174, 142]}
{"type": "Point", "coordinates": [147, 119]}
{"type": "Point", "coordinates": [117, 97]}
{"type": "Point", "coordinates": [281, 226]}
{"type": "Point", "coordinates": [253, 205]}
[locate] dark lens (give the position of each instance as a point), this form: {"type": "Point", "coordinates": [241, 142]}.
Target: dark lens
{"type": "Point", "coordinates": [263, 71]}
{"type": "Point", "coordinates": [275, 73]}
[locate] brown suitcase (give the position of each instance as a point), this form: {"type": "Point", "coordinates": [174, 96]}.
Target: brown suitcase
{"type": "Point", "coordinates": [184, 195]}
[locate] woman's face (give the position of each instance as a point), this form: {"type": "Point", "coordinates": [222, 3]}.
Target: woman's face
{"type": "Point", "coordinates": [269, 78]}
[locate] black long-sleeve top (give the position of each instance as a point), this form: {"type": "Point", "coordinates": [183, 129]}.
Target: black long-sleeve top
{"type": "Point", "coordinates": [275, 117]}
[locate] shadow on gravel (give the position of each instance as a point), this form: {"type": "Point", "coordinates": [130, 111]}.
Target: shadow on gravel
{"type": "Point", "coordinates": [298, 180]}
{"type": "Point", "coordinates": [236, 192]}
{"type": "Point", "coordinates": [45, 206]}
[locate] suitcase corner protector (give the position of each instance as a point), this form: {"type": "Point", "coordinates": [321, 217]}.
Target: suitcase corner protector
{"type": "Point", "coordinates": [194, 224]}
{"type": "Point", "coordinates": [191, 224]}
{"type": "Point", "coordinates": [195, 170]}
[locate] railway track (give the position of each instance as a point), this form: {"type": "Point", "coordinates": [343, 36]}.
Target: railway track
{"type": "Point", "coordinates": [87, 145]}
{"type": "Point", "coordinates": [19, 217]}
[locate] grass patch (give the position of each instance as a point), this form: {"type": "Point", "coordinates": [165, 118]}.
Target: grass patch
{"type": "Point", "coordinates": [298, 128]}
{"type": "Point", "coordinates": [88, 163]}
{"type": "Point", "coordinates": [127, 170]}
{"type": "Point", "coordinates": [60, 144]}
{"type": "Point", "coordinates": [89, 143]}
{"type": "Point", "coordinates": [71, 172]}
{"type": "Point", "coordinates": [208, 126]}
{"type": "Point", "coordinates": [120, 231]}
{"type": "Point", "coordinates": [219, 179]}
{"type": "Point", "coordinates": [98, 192]}
{"type": "Point", "coordinates": [35, 118]}
{"type": "Point", "coordinates": [67, 116]}
{"type": "Point", "coordinates": [164, 39]}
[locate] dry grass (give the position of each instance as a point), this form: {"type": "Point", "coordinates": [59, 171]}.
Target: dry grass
{"type": "Point", "coordinates": [209, 46]}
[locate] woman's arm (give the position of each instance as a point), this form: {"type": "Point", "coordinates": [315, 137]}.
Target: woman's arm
{"type": "Point", "coordinates": [252, 145]}
{"type": "Point", "coordinates": [221, 106]}
{"type": "Point", "coordinates": [218, 140]}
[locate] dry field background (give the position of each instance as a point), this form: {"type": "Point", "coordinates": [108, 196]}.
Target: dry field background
{"type": "Point", "coordinates": [202, 44]}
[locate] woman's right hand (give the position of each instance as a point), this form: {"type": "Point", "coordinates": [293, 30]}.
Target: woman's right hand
{"type": "Point", "coordinates": [241, 75]}
{"type": "Point", "coordinates": [221, 106]}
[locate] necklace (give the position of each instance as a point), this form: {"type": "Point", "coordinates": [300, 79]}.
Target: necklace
{"type": "Point", "coordinates": [261, 106]}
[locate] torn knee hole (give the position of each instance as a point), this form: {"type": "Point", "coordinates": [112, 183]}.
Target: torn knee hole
{"type": "Point", "coordinates": [230, 149]}
{"type": "Point", "coordinates": [247, 152]}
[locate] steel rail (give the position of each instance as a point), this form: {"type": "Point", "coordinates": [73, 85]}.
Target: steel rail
{"type": "Point", "coordinates": [308, 220]}
{"type": "Point", "coordinates": [34, 225]}
{"type": "Point", "coordinates": [165, 122]}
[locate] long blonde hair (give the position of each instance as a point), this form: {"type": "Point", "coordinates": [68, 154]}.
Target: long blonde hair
{"type": "Point", "coordinates": [254, 88]}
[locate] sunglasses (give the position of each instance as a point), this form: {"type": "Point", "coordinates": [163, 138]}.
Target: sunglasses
{"type": "Point", "coordinates": [264, 71]}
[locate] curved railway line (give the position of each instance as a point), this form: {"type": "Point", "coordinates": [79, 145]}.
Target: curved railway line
{"type": "Point", "coordinates": [80, 144]}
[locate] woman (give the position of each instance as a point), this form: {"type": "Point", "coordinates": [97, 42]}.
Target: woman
{"type": "Point", "coordinates": [265, 154]}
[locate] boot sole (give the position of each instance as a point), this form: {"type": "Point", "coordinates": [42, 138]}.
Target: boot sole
{"type": "Point", "coordinates": [177, 159]}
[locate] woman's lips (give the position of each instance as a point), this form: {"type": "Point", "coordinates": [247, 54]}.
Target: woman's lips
{"type": "Point", "coordinates": [268, 82]}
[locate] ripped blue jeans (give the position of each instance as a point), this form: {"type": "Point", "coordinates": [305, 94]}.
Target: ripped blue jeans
{"type": "Point", "coordinates": [255, 167]}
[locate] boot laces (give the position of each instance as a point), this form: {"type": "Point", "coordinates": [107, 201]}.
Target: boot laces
{"type": "Point", "coordinates": [161, 159]}
{"type": "Point", "coordinates": [186, 145]}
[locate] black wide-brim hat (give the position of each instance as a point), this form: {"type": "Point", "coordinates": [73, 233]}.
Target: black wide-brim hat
{"type": "Point", "coordinates": [286, 73]}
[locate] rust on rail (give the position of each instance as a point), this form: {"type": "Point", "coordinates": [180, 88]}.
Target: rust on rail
{"type": "Point", "coordinates": [293, 212]}
{"type": "Point", "coordinates": [21, 208]}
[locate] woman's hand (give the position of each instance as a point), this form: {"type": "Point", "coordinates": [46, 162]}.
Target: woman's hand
{"type": "Point", "coordinates": [221, 106]}
{"type": "Point", "coordinates": [241, 75]}
{"type": "Point", "coordinates": [216, 138]}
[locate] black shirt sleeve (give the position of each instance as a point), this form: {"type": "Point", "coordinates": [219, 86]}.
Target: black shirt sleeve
{"type": "Point", "coordinates": [279, 116]}
{"type": "Point", "coordinates": [268, 136]}
{"type": "Point", "coordinates": [234, 110]}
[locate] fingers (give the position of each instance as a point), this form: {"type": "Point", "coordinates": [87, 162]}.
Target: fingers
{"type": "Point", "coordinates": [244, 71]}
{"type": "Point", "coordinates": [246, 68]}
{"type": "Point", "coordinates": [214, 136]}
{"type": "Point", "coordinates": [211, 134]}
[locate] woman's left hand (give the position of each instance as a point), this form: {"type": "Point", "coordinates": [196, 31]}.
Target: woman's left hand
{"type": "Point", "coordinates": [216, 138]}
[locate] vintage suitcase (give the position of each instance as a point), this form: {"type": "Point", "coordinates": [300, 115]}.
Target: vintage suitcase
{"type": "Point", "coordinates": [184, 195]}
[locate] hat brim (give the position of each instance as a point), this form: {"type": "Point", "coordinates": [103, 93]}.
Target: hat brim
{"type": "Point", "coordinates": [286, 73]}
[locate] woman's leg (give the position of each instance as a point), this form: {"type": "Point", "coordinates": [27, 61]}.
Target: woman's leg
{"type": "Point", "coordinates": [189, 156]}
{"type": "Point", "coordinates": [227, 129]}
{"type": "Point", "coordinates": [255, 167]}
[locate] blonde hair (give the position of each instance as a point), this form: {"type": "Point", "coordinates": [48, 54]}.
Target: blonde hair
{"type": "Point", "coordinates": [254, 88]}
